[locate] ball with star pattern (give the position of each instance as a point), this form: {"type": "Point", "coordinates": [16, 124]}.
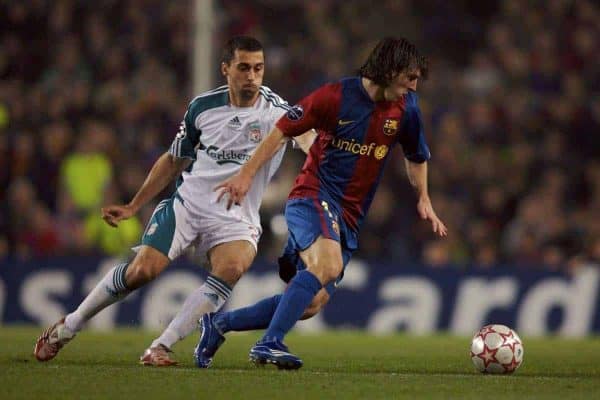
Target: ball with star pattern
{"type": "Point", "coordinates": [496, 349]}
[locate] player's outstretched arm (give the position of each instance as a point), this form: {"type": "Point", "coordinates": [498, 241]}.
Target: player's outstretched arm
{"type": "Point", "coordinates": [417, 175]}
{"type": "Point", "coordinates": [164, 170]}
{"type": "Point", "coordinates": [238, 185]}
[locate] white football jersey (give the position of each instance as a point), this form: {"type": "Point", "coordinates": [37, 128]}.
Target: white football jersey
{"type": "Point", "coordinates": [220, 138]}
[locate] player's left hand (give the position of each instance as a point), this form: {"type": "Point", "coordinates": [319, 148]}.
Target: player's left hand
{"type": "Point", "coordinates": [236, 187]}
{"type": "Point", "coordinates": [426, 212]}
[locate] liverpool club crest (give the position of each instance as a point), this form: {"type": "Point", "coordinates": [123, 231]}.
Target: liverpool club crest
{"type": "Point", "coordinates": [254, 133]}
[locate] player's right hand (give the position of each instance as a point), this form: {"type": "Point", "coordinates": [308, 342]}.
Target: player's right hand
{"type": "Point", "coordinates": [115, 213]}
{"type": "Point", "coordinates": [235, 187]}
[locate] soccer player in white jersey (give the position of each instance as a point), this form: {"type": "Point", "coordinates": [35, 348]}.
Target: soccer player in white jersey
{"type": "Point", "coordinates": [219, 133]}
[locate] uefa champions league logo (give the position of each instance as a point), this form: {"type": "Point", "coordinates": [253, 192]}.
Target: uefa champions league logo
{"type": "Point", "coordinates": [295, 113]}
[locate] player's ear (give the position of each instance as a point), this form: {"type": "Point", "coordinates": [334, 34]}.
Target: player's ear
{"type": "Point", "coordinates": [224, 69]}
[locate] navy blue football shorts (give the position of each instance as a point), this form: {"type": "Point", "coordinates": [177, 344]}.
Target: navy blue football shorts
{"type": "Point", "coordinates": [307, 219]}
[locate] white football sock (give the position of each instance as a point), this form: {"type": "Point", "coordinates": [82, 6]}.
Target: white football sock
{"type": "Point", "coordinates": [109, 290]}
{"type": "Point", "coordinates": [208, 298]}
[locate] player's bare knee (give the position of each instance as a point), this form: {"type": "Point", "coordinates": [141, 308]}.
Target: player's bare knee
{"type": "Point", "coordinates": [143, 269]}
{"type": "Point", "coordinates": [137, 275]}
{"type": "Point", "coordinates": [335, 271]}
{"type": "Point", "coordinates": [328, 272]}
{"type": "Point", "coordinates": [229, 261]}
{"type": "Point", "coordinates": [231, 270]}
{"type": "Point", "coordinates": [325, 262]}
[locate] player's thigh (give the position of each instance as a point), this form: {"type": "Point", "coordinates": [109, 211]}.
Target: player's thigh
{"type": "Point", "coordinates": [323, 258]}
{"type": "Point", "coordinates": [145, 266]}
{"type": "Point", "coordinates": [230, 260]}
{"type": "Point", "coordinates": [170, 230]}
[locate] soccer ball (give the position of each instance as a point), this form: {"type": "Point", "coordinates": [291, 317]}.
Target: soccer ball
{"type": "Point", "coordinates": [496, 349]}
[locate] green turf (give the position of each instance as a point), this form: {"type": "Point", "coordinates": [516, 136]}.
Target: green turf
{"type": "Point", "coordinates": [337, 365]}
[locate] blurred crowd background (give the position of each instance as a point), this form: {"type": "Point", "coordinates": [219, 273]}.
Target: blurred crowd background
{"type": "Point", "coordinates": [91, 93]}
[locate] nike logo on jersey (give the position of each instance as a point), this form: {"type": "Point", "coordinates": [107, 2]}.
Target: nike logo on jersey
{"type": "Point", "coordinates": [341, 122]}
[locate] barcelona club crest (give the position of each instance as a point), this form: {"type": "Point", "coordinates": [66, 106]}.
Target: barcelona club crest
{"type": "Point", "coordinates": [254, 132]}
{"type": "Point", "coordinates": [390, 126]}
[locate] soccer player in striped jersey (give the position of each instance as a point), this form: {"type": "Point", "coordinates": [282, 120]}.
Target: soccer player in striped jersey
{"type": "Point", "coordinates": [219, 133]}
{"type": "Point", "coordinates": [359, 120]}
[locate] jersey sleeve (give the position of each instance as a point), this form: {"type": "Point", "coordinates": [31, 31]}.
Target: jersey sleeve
{"type": "Point", "coordinates": [187, 138]}
{"type": "Point", "coordinates": [318, 110]}
{"type": "Point", "coordinates": [412, 136]}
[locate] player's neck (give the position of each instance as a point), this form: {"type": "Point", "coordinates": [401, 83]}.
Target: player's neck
{"type": "Point", "coordinates": [375, 92]}
{"type": "Point", "coordinates": [237, 100]}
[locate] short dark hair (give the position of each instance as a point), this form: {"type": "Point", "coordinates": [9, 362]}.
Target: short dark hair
{"type": "Point", "coordinates": [246, 43]}
{"type": "Point", "coordinates": [390, 57]}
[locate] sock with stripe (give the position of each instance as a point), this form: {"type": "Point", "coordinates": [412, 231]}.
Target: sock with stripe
{"type": "Point", "coordinates": [208, 298]}
{"type": "Point", "coordinates": [254, 317]}
{"type": "Point", "coordinates": [298, 296]}
{"type": "Point", "coordinates": [109, 290]}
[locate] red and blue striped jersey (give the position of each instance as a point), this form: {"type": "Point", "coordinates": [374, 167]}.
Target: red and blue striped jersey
{"type": "Point", "coordinates": [346, 161]}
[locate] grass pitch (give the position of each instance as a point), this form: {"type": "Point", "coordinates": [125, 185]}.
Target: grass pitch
{"type": "Point", "coordinates": [337, 365]}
